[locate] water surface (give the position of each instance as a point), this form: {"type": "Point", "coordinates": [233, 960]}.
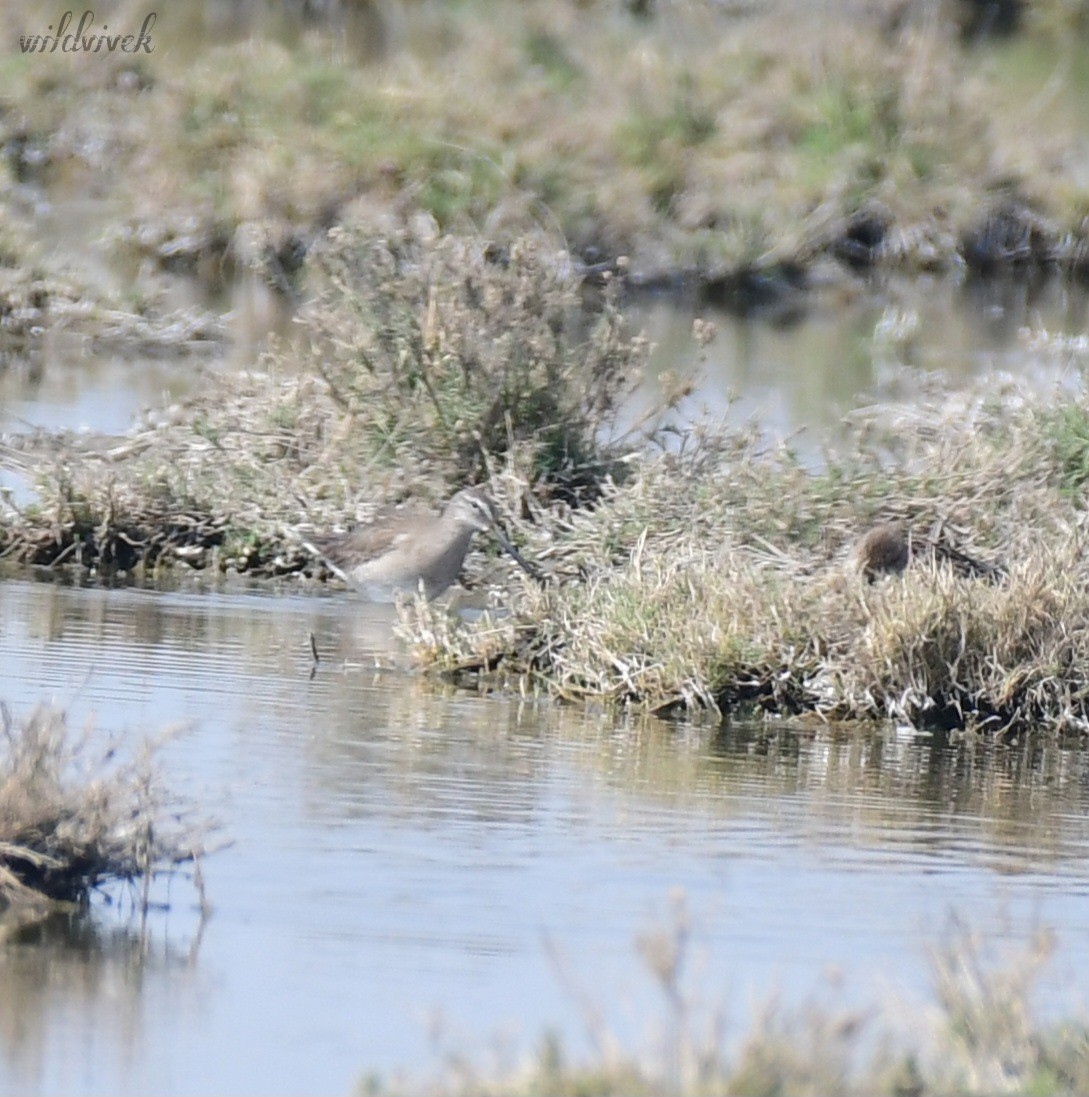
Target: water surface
{"type": "Point", "coordinates": [407, 862]}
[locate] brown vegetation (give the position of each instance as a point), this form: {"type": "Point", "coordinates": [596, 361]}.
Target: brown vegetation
{"type": "Point", "coordinates": [745, 145]}
{"type": "Point", "coordinates": [73, 817]}
{"type": "Point", "coordinates": [709, 574]}
{"type": "Point", "coordinates": [425, 365]}
{"type": "Point", "coordinates": [721, 576]}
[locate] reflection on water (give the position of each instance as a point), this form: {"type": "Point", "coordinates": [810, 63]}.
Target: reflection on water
{"type": "Point", "coordinates": [74, 968]}
{"type": "Point", "coordinates": [805, 375]}
{"type": "Point", "coordinates": [399, 851]}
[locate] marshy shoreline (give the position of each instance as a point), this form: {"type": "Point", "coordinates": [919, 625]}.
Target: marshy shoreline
{"type": "Point", "coordinates": [462, 323]}
{"type": "Point", "coordinates": [762, 152]}
{"type": "Point", "coordinates": [699, 569]}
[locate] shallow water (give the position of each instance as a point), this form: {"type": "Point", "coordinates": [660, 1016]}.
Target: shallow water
{"type": "Point", "coordinates": [406, 862]}
{"type": "Point", "coordinates": [414, 874]}
{"type": "Point", "coordinates": [797, 379]}
{"type": "Point", "coordinates": [798, 376]}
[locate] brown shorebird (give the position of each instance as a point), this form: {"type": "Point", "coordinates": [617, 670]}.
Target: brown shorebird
{"type": "Point", "coordinates": [408, 550]}
{"type": "Point", "coordinates": [888, 548]}
{"type": "Point", "coordinates": [884, 550]}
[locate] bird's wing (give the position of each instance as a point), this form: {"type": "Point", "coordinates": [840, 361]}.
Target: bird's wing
{"type": "Point", "coordinates": [388, 530]}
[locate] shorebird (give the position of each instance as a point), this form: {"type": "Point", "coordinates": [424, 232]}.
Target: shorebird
{"type": "Point", "coordinates": [887, 549]}
{"type": "Point", "coordinates": [884, 550]}
{"type": "Point", "coordinates": [407, 550]}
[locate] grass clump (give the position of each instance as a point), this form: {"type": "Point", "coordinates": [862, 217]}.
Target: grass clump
{"type": "Point", "coordinates": [73, 817]}
{"type": "Point", "coordinates": [1069, 435]}
{"type": "Point", "coordinates": [711, 575]}
{"type": "Point", "coordinates": [426, 363]}
{"type": "Point", "coordinates": [454, 355]}
{"type": "Point", "coordinates": [721, 575]}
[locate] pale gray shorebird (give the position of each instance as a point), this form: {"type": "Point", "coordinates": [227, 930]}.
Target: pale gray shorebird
{"type": "Point", "coordinates": [409, 550]}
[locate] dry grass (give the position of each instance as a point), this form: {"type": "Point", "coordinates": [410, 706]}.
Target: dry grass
{"type": "Point", "coordinates": [980, 1035]}
{"type": "Point", "coordinates": [425, 364]}
{"type": "Point", "coordinates": [721, 576]}
{"type": "Point", "coordinates": [709, 575]}
{"type": "Point", "coordinates": [74, 816]}
{"type": "Point", "coordinates": [452, 355]}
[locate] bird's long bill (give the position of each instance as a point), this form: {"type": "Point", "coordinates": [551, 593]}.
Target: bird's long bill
{"type": "Point", "coordinates": [532, 571]}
